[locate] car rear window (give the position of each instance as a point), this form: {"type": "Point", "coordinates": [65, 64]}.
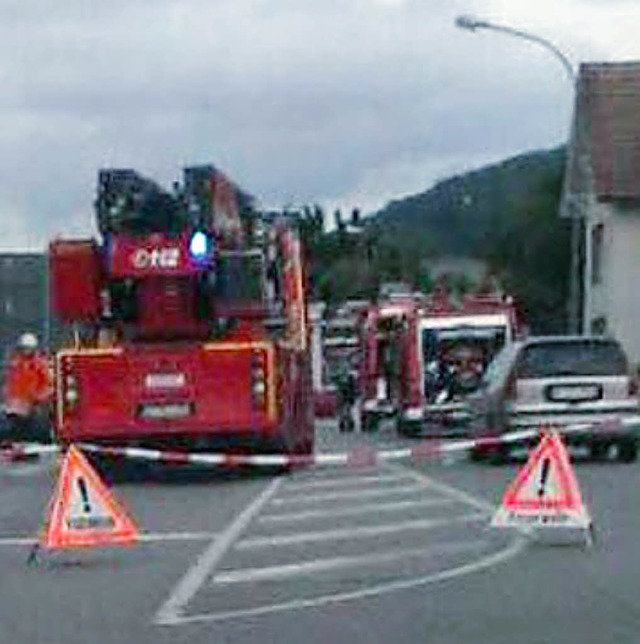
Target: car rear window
{"type": "Point", "coordinates": [572, 359]}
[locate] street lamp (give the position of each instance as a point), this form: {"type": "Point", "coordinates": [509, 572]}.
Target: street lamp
{"type": "Point", "coordinates": [471, 23]}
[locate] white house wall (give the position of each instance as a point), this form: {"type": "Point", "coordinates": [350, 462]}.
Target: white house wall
{"type": "Point", "coordinates": [617, 297]}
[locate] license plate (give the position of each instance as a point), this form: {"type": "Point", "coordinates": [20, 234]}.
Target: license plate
{"type": "Point", "coordinates": [165, 380]}
{"type": "Point", "coordinates": [170, 410]}
{"type": "Point", "coordinates": [574, 393]}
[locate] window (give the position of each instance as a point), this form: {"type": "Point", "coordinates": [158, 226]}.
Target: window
{"type": "Point", "coordinates": [583, 358]}
{"type": "Point", "coordinates": [240, 276]}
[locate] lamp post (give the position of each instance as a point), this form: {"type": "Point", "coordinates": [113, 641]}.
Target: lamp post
{"type": "Point", "coordinates": [470, 23]}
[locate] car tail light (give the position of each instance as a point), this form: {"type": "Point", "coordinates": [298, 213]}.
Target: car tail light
{"type": "Point", "coordinates": [258, 379]}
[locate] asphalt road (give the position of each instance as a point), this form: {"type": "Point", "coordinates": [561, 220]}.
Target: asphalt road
{"type": "Point", "coordinates": [397, 553]}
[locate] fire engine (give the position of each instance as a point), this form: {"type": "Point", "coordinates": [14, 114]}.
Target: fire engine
{"type": "Point", "coordinates": [188, 319]}
{"type": "Point", "coordinates": [423, 356]}
{"type": "Point", "coordinates": [339, 351]}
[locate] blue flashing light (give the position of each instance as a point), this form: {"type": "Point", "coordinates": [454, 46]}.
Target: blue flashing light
{"type": "Point", "coordinates": [199, 246]}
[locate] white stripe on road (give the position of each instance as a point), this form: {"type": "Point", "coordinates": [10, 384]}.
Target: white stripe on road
{"type": "Point", "coordinates": [484, 563]}
{"type": "Point", "coordinates": [177, 536]}
{"type": "Point", "coordinates": [355, 532]}
{"type": "Point", "coordinates": [367, 508]}
{"type": "Point", "coordinates": [338, 563]}
{"type": "Point", "coordinates": [293, 499]}
{"type": "Point", "coordinates": [345, 481]}
{"type": "Point", "coordinates": [454, 493]}
{"type": "Point", "coordinates": [172, 609]}
{"type": "Point", "coordinates": [149, 537]}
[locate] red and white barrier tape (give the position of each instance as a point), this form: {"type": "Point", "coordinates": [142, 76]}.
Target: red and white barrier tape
{"type": "Point", "coordinates": [362, 455]}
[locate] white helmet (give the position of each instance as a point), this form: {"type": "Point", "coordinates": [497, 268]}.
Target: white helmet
{"type": "Point", "coordinates": [28, 341]}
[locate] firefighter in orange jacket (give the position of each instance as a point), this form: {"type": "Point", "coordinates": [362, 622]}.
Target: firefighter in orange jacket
{"type": "Point", "coordinates": [27, 391]}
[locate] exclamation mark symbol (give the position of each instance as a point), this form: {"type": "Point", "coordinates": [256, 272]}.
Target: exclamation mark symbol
{"type": "Point", "coordinates": [544, 475]}
{"type": "Point", "coordinates": [82, 486]}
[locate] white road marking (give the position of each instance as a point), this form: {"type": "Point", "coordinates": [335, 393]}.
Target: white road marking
{"type": "Point", "coordinates": [367, 508]}
{"type": "Point", "coordinates": [270, 541]}
{"type": "Point", "coordinates": [177, 536]}
{"type": "Point", "coordinates": [489, 561]}
{"type": "Point", "coordinates": [455, 493]}
{"type": "Point", "coordinates": [450, 491]}
{"type": "Point", "coordinates": [337, 563]}
{"type": "Point", "coordinates": [293, 499]}
{"type": "Point", "coordinates": [345, 482]}
{"type": "Point", "coordinates": [205, 565]}
{"type": "Point", "coordinates": [148, 537]}
{"type": "Point", "coordinates": [321, 474]}
{"type": "Point", "coordinates": [169, 617]}
{"type": "Point", "coordinates": [19, 470]}
{"type": "Point", "coordinates": [17, 541]}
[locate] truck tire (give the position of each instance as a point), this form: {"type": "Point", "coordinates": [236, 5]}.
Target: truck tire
{"type": "Point", "coordinates": [499, 455]}
{"type": "Point", "coordinates": [410, 429]}
{"type": "Point", "coordinates": [346, 424]}
{"type": "Point", "coordinates": [599, 451]}
{"type": "Point", "coordinates": [627, 450]}
{"type": "Point", "coordinates": [369, 423]}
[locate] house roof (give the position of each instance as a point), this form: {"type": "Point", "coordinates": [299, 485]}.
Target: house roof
{"type": "Point", "coordinates": [605, 153]}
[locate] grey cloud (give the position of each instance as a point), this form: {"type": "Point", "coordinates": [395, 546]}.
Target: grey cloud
{"type": "Point", "coordinates": [296, 99]}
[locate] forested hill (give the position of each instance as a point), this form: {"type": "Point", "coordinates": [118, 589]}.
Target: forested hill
{"type": "Point", "coordinates": [463, 215]}
{"type": "Point", "coordinates": [505, 214]}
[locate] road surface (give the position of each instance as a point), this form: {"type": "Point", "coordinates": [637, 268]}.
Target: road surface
{"type": "Point", "coordinates": [396, 553]}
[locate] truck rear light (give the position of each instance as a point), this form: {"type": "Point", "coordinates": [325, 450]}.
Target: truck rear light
{"type": "Point", "coordinates": [71, 394]}
{"type": "Point", "coordinates": [258, 380]}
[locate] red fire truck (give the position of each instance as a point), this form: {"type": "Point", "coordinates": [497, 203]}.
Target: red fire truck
{"type": "Point", "coordinates": [188, 319]}
{"type": "Point", "coordinates": [424, 356]}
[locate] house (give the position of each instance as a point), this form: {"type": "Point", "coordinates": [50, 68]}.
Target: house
{"type": "Point", "coordinates": [23, 301]}
{"type": "Point", "coordinates": [602, 194]}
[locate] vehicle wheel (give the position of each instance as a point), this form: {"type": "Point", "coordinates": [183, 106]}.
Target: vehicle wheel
{"type": "Point", "coordinates": [345, 424]}
{"type": "Point", "coordinates": [627, 450]}
{"type": "Point", "coordinates": [599, 451]}
{"type": "Point", "coordinates": [498, 455]}
{"type": "Point", "coordinates": [369, 423]}
{"type": "Point", "coordinates": [477, 455]}
{"type": "Point", "coordinates": [408, 428]}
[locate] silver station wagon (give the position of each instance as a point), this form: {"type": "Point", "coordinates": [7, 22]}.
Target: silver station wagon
{"type": "Point", "coordinates": [560, 381]}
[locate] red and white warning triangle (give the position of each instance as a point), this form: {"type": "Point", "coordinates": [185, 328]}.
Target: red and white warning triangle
{"type": "Point", "coordinates": [83, 512]}
{"type": "Point", "coordinates": [545, 492]}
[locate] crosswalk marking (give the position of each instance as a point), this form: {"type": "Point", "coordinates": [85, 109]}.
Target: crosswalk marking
{"type": "Point", "coordinates": [347, 482]}
{"type": "Point", "coordinates": [335, 563]}
{"type": "Point", "coordinates": [254, 543]}
{"type": "Point", "coordinates": [304, 499]}
{"type": "Point", "coordinates": [356, 510]}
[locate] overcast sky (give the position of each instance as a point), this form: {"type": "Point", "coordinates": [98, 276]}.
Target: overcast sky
{"type": "Point", "coordinates": [339, 102]}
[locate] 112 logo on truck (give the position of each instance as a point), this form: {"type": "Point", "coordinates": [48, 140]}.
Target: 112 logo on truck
{"type": "Point", "coordinates": [156, 258]}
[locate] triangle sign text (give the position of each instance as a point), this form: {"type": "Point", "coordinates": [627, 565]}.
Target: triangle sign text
{"type": "Point", "coordinates": [545, 491]}
{"type": "Point", "coordinates": [83, 512]}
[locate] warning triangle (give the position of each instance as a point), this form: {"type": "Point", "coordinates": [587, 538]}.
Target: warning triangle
{"type": "Point", "coordinates": [545, 491]}
{"type": "Point", "coordinates": [83, 512]}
